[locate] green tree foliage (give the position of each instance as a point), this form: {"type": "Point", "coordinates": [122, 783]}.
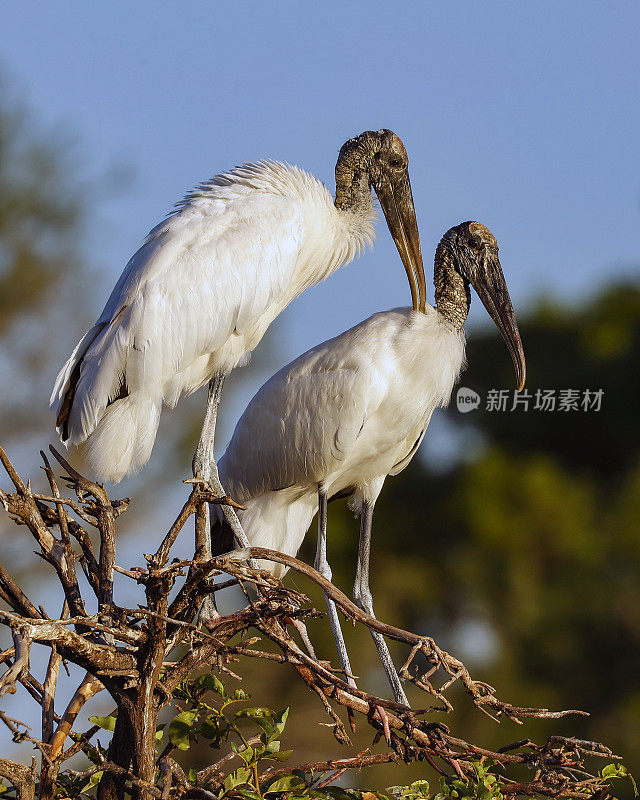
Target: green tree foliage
{"type": "Point", "coordinates": [207, 713]}
{"type": "Point", "coordinates": [523, 558]}
{"type": "Point", "coordinates": [535, 542]}
{"type": "Point", "coordinates": [41, 222]}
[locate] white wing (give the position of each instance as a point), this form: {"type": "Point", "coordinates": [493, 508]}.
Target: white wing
{"type": "Point", "coordinates": [404, 462]}
{"type": "Point", "coordinates": [304, 421]}
{"type": "Point", "coordinates": [210, 270]}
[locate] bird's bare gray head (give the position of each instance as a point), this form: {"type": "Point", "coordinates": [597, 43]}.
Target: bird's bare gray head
{"type": "Point", "coordinates": [468, 254]}
{"type": "Point", "coordinates": [378, 160]}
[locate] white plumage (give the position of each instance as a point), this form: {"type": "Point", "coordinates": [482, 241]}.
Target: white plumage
{"type": "Point", "coordinates": [349, 412]}
{"type": "Point", "coordinates": [338, 420]}
{"type": "Point", "coordinates": [197, 297]}
{"type": "Point", "coordinates": [345, 414]}
{"type": "Point", "coordinates": [200, 293]}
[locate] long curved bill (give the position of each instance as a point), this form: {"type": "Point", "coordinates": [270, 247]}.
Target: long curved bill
{"type": "Point", "coordinates": [491, 287]}
{"type": "Point", "coordinates": [396, 201]}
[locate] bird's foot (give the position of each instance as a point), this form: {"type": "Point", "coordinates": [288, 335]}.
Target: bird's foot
{"type": "Point", "coordinates": [221, 500]}
{"type": "Point", "coordinates": [299, 625]}
{"type": "Point", "coordinates": [207, 613]}
{"type": "Point", "coordinates": [384, 718]}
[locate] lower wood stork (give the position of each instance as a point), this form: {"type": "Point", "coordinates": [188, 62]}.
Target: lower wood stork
{"type": "Point", "coordinates": [199, 294]}
{"type": "Point", "coordinates": [349, 412]}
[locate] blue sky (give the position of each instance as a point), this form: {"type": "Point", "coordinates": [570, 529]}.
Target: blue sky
{"type": "Point", "coordinates": [523, 116]}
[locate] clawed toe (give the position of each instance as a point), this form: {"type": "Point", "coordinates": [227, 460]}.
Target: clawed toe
{"type": "Point", "coordinates": [207, 613]}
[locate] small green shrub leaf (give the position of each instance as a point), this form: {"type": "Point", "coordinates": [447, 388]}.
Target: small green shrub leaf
{"type": "Point", "coordinates": [108, 723]}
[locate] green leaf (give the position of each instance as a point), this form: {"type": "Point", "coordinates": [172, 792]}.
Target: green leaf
{"type": "Point", "coordinates": [108, 723]}
{"type": "Point", "coordinates": [214, 727]}
{"type": "Point", "coordinates": [180, 729]}
{"type": "Point", "coordinates": [258, 712]}
{"type": "Point", "coordinates": [247, 754]}
{"type": "Point", "coordinates": [281, 720]}
{"type": "Point", "coordinates": [94, 779]}
{"type": "Point", "coordinates": [239, 777]}
{"type": "Point", "coordinates": [331, 793]}
{"type": "Point", "coordinates": [273, 747]}
{"type": "Point", "coordinates": [193, 776]}
{"type": "Point", "coordinates": [272, 724]}
{"type": "Point", "coordinates": [249, 794]}
{"type": "Point", "coordinates": [619, 771]}
{"type": "Point", "coordinates": [287, 783]}
{"type": "Point", "coordinates": [614, 771]}
{"type": "Point", "coordinates": [281, 755]}
{"type": "Point", "coordinates": [213, 684]}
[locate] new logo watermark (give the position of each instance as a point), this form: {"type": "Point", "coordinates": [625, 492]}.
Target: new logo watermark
{"type": "Point", "coordinates": [467, 400]}
{"type": "Point", "coordinates": [544, 400]}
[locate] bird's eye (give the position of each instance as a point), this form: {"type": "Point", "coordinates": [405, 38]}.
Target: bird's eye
{"type": "Point", "coordinates": [474, 242]}
{"type": "Point", "coordinates": [396, 163]}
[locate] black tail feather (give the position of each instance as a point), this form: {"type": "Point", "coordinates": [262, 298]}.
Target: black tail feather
{"type": "Point", "coordinates": [222, 539]}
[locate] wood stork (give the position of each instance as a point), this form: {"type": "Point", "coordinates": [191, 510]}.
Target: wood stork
{"type": "Point", "coordinates": [197, 297]}
{"type": "Point", "coordinates": [349, 412]}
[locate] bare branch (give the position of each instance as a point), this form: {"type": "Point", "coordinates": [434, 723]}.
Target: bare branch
{"type": "Point", "coordinates": [142, 672]}
{"type": "Point", "coordinates": [214, 771]}
{"type": "Point", "coordinates": [482, 694]}
{"type": "Point", "coordinates": [20, 667]}
{"type": "Point", "coordinates": [21, 776]}
{"type": "Point", "coordinates": [105, 515]}
{"type": "Point", "coordinates": [100, 659]}
{"type": "Point", "coordinates": [87, 689]}
{"type": "Point", "coordinates": [364, 759]}
{"type": "Point", "coordinates": [48, 695]}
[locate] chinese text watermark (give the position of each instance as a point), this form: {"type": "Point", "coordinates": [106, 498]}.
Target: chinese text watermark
{"type": "Point", "coordinates": [545, 400]}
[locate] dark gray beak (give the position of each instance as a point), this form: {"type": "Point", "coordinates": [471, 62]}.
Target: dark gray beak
{"type": "Point", "coordinates": [396, 201]}
{"type": "Point", "coordinates": [489, 283]}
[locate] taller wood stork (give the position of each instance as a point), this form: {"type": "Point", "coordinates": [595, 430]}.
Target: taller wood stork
{"type": "Point", "coordinates": [349, 412]}
{"type": "Point", "coordinates": [197, 297]}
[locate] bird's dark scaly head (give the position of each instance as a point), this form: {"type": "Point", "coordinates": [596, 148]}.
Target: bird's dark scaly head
{"type": "Point", "coordinates": [474, 255]}
{"type": "Point", "coordinates": [378, 160]}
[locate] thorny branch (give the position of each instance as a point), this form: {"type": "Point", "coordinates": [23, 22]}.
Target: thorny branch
{"type": "Point", "coordinates": [138, 656]}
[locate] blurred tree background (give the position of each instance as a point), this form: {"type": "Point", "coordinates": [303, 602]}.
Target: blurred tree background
{"type": "Point", "coordinates": [522, 557]}
{"type": "Point", "coordinates": [41, 222]}
{"type": "Point", "coordinates": [524, 560]}
{"type": "Point", "coordinates": [42, 227]}
{"type": "Point", "coordinates": [50, 284]}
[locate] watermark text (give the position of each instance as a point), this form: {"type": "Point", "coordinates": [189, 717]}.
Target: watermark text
{"type": "Point", "coordinates": [543, 400]}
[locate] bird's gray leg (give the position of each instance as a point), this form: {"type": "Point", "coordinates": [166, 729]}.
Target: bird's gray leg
{"type": "Point", "coordinates": [203, 456]}
{"type": "Point", "coordinates": [204, 467]}
{"type": "Point", "coordinates": [322, 565]}
{"type": "Point", "coordinates": [201, 466]}
{"type": "Point", "coordinates": [363, 599]}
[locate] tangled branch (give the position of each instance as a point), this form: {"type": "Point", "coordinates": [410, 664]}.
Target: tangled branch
{"type": "Point", "coordinates": [143, 657]}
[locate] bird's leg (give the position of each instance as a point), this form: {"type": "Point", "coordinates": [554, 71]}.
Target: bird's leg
{"type": "Point", "coordinates": [322, 565]}
{"type": "Point", "coordinates": [200, 466]}
{"type": "Point", "coordinates": [203, 457]}
{"type": "Point", "coordinates": [204, 467]}
{"type": "Point", "coordinates": [363, 599]}
{"type": "Point", "coordinates": [299, 625]}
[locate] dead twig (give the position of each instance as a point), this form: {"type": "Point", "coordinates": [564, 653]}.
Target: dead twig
{"type": "Point", "coordinates": [141, 656]}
